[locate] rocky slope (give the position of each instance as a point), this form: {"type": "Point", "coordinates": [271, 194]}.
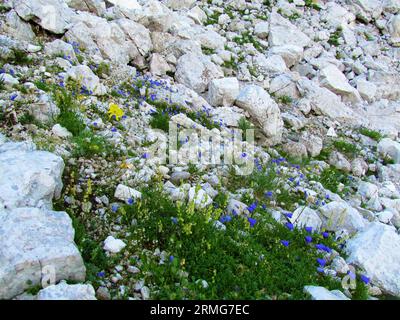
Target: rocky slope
{"type": "Point", "coordinates": [89, 91]}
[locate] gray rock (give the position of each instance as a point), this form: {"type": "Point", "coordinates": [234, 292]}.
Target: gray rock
{"type": "Point", "coordinates": [97, 7]}
{"type": "Point", "coordinates": [17, 28]}
{"type": "Point", "coordinates": [295, 149]}
{"type": "Point", "coordinates": [394, 28]}
{"type": "Point", "coordinates": [87, 78]}
{"type": "Point", "coordinates": [339, 161]}
{"type": "Point", "coordinates": [29, 178]}
{"type": "Point", "coordinates": [359, 167]}
{"type": "Point", "coordinates": [306, 217]}
{"type": "Point", "coordinates": [339, 215]}
{"type": "Point", "coordinates": [179, 176]}
{"type": "Point", "coordinates": [113, 245]}
{"type": "Point", "coordinates": [180, 4]}
{"type": "Point", "coordinates": [325, 102]}
{"type": "Point", "coordinates": [390, 149]}
{"type": "Point", "coordinates": [36, 242]}
{"type": "Point", "coordinates": [138, 34]}
{"type": "Point", "coordinates": [261, 29]}
{"type": "Point", "coordinates": [333, 79]}
{"type": "Point", "coordinates": [8, 80]}
{"type": "Point", "coordinates": [200, 198]}
{"type": "Point", "coordinates": [196, 71]}
{"type": "Point", "coordinates": [377, 251]}
{"type": "Point", "coordinates": [223, 92]}
{"type": "Point", "coordinates": [64, 291]}
{"type": "Point", "coordinates": [283, 32]}
{"type": "Point", "coordinates": [102, 293]}
{"type": "Point", "coordinates": [313, 144]}
{"type": "Point", "coordinates": [44, 110]}
{"type": "Point", "coordinates": [367, 189]}
{"type": "Point", "coordinates": [321, 293]}
{"type": "Point", "coordinates": [264, 110]}
{"type": "Point", "coordinates": [52, 15]}
{"type": "Point", "coordinates": [390, 173]}
{"type": "Point", "coordinates": [59, 47]}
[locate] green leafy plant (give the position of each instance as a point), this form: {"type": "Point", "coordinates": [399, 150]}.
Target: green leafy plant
{"type": "Point", "coordinates": [375, 135]}
{"type": "Point", "coordinates": [335, 36]}
{"type": "Point", "coordinates": [2, 84]}
{"type": "Point", "coordinates": [88, 144]}
{"type": "Point", "coordinates": [350, 149]}
{"type": "Point", "coordinates": [241, 262]}
{"type": "Point", "coordinates": [68, 117]}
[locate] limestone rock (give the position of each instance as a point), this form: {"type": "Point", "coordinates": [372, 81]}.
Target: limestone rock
{"type": "Point", "coordinates": [333, 79]}
{"type": "Point", "coordinates": [340, 215]}
{"type": "Point", "coordinates": [64, 291]}
{"type": "Point", "coordinates": [321, 293]}
{"type": "Point", "coordinates": [283, 32]}
{"type": "Point", "coordinates": [263, 109]}
{"type": "Point", "coordinates": [377, 251]}
{"type": "Point", "coordinates": [52, 15]}
{"type": "Point", "coordinates": [389, 148]}
{"type": "Point", "coordinates": [36, 242]}
{"type": "Point", "coordinates": [223, 92]}
{"type": "Point", "coordinates": [28, 177]}
{"type": "Point", "coordinates": [196, 71]}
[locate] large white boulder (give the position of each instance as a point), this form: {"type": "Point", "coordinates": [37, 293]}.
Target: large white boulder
{"type": "Point", "coordinates": [97, 36]}
{"type": "Point", "coordinates": [377, 251]}
{"type": "Point", "coordinates": [52, 15]}
{"type": "Point", "coordinates": [139, 35]}
{"type": "Point", "coordinates": [64, 291]}
{"type": "Point", "coordinates": [333, 79]}
{"type": "Point", "coordinates": [324, 102]}
{"type": "Point", "coordinates": [306, 217]}
{"type": "Point", "coordinates": [86, 78]}
{"type": "Point", "coordinates": [28, 177]}
{"type": "Point", "coordinates": [283, 32]}
{"type": "Point", "coordinates": [223, 92]}
{"type": "Point", "coordinates": [336, 15]}
{"type": "Point", "coordinates": [59, 47]}
{"type": "Point", "coordinates": [340, 215]}
{"type": "Point", "coordinates": [196, 71]}
{"type": "Point", "coordinates": [97, 7]}
{"type": "Point", "coordinates": [210, 39]}
{"type": "Point", "coordinates": [273, 64]}
{"type": "Point", "coordinates": [291, 54]}
{"type": "Point", "coordinates": [368, 8]}
{"type": "Point", "coordinates": [17, 28]}
{"type": "Point", "coordinates": [367, 189]}
{"type": "Point", "coordinates": [263, 109]}
{"type": "Point", "coordinates": [394, 28]}
{"type": "Point", "coordinates": [390, 149]}
{"type": "Point", "coordinates": [34, 243]}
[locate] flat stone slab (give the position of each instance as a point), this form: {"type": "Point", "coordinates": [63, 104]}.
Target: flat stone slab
{"type": "Point", "coordinates": [64, 291]}
{"type": "Point", "coordinates": [28, 178]}
{"type": "Point", "coordinates": [36, 244]}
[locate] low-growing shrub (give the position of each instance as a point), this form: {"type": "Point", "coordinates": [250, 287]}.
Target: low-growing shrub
{"type": "Point", "coordinates": [253, 258]}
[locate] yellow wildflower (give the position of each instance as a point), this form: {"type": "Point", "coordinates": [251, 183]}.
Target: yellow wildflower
{"type": "Point", "coordinates": [125, 165]}
{"type": "Point", "coordinates": [115, 111]}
